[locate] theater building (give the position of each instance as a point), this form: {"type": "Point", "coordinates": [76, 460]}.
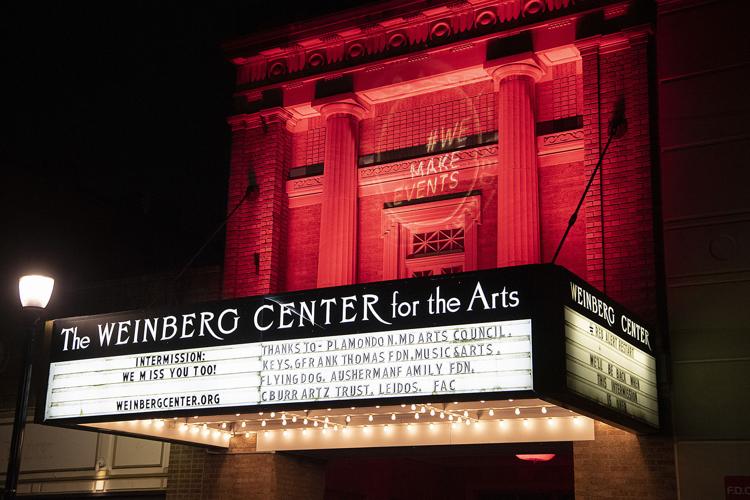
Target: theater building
{"type": "Point", "coordinates": [402, 175]}
{"type": "Point", "coordinates": [417, 139]}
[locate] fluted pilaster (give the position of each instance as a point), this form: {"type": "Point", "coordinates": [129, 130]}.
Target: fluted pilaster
{"type": "Point", "coordinates": [518, 186]}
{"type": "Point", "coordinates": [337, 262]}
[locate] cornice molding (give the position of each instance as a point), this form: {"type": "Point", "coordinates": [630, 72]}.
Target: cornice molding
{"type": "Point", "coordinates": [262, 118]}
{"type": "Point", "coordinates": [422, 27]}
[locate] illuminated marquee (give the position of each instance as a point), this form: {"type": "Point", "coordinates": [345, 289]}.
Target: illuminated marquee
{"type": "Point", "coordinates": [531, 331]}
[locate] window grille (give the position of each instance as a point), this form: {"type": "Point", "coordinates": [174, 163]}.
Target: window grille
{"type": "Point", "coordinates": [437, 242]}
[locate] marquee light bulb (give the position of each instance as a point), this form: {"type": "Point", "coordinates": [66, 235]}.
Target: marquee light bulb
{"type": "Point", "coordinates": [423, 410]}
{"type": "Point", "coordinates": [413, 407]}
{"type": "Point", "coordinates": [459, 420]}
{"type": "Point", "coordinates": [348, 418]}
{"type": "Point", "coordinates": [205, 427]}
{"type": "Point", "coordinates": [305, 421]}
{"type": "Point", "coordinates": [432, 412]}
{"type": "Point", "coordinates": [468, 421]}
{"type": "Point", "coordinates": [294, 419]}
{"type": "Point", "coordinates": [263, 424]}
{"type": "Point", "coordinates": [544, 410]}
{"type": "Point", "coordinates": [223, 425]}
{"type": "Point", "coordinates": [450, 417]}
{"type": "Point", "coordinates": [315, 424]}
{"type": "Point", "coordinates": [283, 421]}
{"type": "Point", "coordinates": [403, 405]}
{"type": "Point", "coordinates": [244, 424]}
{"type": "Point", "coordinates": [442, 414]}
{"type": "Point", "coordinates": [491, 412]}
{"type": "Point", "coordinates": [393, 416]}
{"type": "Point", "coordinates": [273, 414]}
{"type": "Point", "coordinates": [247, 434]}
{"type": "Point", "coordinates": [369, 418]}
{"type": "Point", "coordinates": [416, 416]}
{"type": "Point", "coordinates": [517, 411]}
{"type": "Point", "coordinates": [466, 413]}
{"type": "Point", "coordinates": [325, 420]}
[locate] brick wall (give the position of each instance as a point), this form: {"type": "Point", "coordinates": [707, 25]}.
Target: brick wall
{"type": "Point", "coordinates": [618, 208]}
{"type": "Point", "coordinates": [411, 121]}
{"type": "Point", "coordinates": [619, 465]}
{"type": "Point", "coordinates": [242, 474]}
{"type": "Point", "coordinates": [560, 188]}
{"type": "Point", "coordinates": [562, 95]}
{"type": "Point", "coordinates": [259, 224]}
{"type": "Point", "coordinates": [308, 146]}
{"type": "Point", "coordinates": [303, 236]}
{"type": "Point", "coordinates": [185, 474]}
{"type": "Point", "coordinates": [370, 248]}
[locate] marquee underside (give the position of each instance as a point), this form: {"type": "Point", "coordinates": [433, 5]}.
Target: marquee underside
{"type": "Point", "coordinates": [453, 423]}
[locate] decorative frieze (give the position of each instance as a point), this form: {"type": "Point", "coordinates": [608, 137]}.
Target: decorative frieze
{"type": "Point", "coordinates": [385, 38]}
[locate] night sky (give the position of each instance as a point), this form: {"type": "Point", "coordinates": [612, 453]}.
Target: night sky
{"type": "Point", "coordinates": [114, 148]}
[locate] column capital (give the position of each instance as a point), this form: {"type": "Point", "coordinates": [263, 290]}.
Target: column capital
{"type": "Point", "coordinates": [345, 104]}
{"type": "Point", "coordinates": [527, 64]}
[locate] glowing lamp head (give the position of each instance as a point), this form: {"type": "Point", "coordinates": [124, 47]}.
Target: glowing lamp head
{"type": "Point", "coordinates": [535, 457]}
{"type": "Point", "coordinates": [35, 290]}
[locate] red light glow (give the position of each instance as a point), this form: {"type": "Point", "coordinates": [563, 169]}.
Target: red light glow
{"type": "Point", "coordinates": [536, 457]}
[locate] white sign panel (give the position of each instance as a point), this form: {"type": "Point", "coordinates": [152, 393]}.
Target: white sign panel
{"type": "Point", "coordinates": [473, 358]}
{"type": "Point", "coordinates": [606, 369]}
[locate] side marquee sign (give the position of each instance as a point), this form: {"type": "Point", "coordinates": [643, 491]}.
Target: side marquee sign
{"type": "Point", "coordinates": [528, 331]}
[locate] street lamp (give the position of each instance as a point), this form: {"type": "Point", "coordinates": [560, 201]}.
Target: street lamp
{"type": "Point", "coordinates": [35, 292]}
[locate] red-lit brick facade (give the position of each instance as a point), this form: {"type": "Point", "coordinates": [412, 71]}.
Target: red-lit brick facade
{"type": "Point", "coordinates": [469, 129]}
{"type": "Point", "coordinates": [443, 105]}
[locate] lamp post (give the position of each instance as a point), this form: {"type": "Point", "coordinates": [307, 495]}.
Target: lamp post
{"type": "Point", "coordinates": [35, 292]}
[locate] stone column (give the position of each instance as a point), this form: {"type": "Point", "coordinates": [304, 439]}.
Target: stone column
{"type": "Point", "coordinates": [337, 261]}
{"type": "Point", "coordinates": [518, 187]}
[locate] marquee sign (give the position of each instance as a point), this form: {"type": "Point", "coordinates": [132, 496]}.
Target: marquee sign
{"type": "Point", "coordinates": [529, 331]}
